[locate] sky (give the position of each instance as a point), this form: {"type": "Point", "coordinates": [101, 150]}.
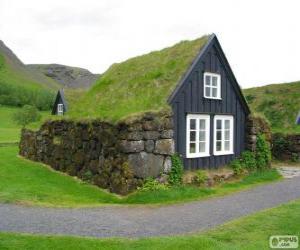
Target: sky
{"type": "Point", "coordinates": [259, 37]}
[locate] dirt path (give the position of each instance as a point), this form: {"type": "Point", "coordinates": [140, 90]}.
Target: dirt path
{"type": "Point", "coordinates": [147, 221]}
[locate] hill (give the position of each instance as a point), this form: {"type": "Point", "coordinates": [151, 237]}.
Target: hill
{"type": "Point", "coordinates": [68, 77]}
{"type": "Point", "coordinates": [139, 84]}
{"type": "Point", "coordinates": [20, 85]}
{"type": "Point", "coordinates": [279, 103]}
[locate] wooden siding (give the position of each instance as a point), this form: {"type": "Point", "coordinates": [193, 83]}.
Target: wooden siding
{"type": "Point", "coordinates": [189, 99]}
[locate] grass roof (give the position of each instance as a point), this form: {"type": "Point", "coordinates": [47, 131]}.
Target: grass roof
{"type": "Point", "coordinates": [139, 84]}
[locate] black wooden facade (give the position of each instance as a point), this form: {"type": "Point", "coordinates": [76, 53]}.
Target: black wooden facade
{"type": "Point", "coordinates": [188, 98]}
{"type": "Point", "coordinates": [60, 99]}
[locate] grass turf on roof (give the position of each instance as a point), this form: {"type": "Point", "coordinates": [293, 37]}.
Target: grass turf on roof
{"type": "Point", "coordinates": [139, 84]}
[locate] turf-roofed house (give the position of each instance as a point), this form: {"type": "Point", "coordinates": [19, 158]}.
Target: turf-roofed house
{"type": "Point", "coordinates": [194, 78]}
{"type": "Point", "coordinates": [60, 104]}
{"type": "Point", "coordinates": [126, 128]}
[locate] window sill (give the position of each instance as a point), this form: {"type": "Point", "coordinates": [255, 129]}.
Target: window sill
{"type": "Point", "coordinates": [223, 153]}
{"type": "Point", "coordinates": [197, 156]}
{"type": "Point", "coordinates": [213, 98]}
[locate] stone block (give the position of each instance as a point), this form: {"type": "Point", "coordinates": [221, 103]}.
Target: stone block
{"type": "Point", "coordinates": [167, 134]}
{"type": "Point", "coordinates": [132, 146]}
{"type": "Point", "coordinates": [164, 147]}
{"type": "Point", "coordinates": [149, 146]}
{"type": "Point", "coordinates": [151, 135]}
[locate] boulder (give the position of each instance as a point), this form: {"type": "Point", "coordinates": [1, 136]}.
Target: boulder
{"type": "Point", "coordinates": [145, 164]}
{"type": "Point", "coordinates": [167, 164]}
{"type": "Point", "coordinates": [164, 147]}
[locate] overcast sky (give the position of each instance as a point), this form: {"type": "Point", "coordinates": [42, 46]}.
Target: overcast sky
{"type": "Point", "coordinates": [260, 37]}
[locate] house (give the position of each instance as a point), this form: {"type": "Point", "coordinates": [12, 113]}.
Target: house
{"type": "Point", "coordinates": [60, 105]}
{"type": "Point", "coordinates": [298, 119]}
{"type": "Point", "coordinates": [195, 79]}
{"type": "Point", "coordinates": [210, 110]}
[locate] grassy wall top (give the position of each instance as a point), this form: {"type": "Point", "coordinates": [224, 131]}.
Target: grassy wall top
{"type": "Point", "coordinates": [139, 84]}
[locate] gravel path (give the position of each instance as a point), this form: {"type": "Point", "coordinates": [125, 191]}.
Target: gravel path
{"type": "Point", "coordinates": [144, 220]}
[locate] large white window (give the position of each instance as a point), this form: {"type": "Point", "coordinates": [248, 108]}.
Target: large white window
{"type": "Point", "coordinates": [60, 109]}
{"type": "Point", "coordinates": [212, 85]}
{"type": "Point", "coordinates": [223, 134]}
{"type": "Point", "coordinates": [198, 129]}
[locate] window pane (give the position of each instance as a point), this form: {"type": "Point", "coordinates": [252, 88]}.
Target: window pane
{"type": "Point", "coordinates": [218, 146]}
{"type": "Point", "coordinates": [207, 91]}
{"type": "Point", "coordinates": [192, 147]}
{"type": "Point", "coordinates": [219, 124]}
{"type": "Point", "coordinates": [193, 136]}
{"type": "Point", "coordinates": [207, 80]}
{"type": "Point", "coordinates": [202, 136]}
{"type": "Point", "coordinates": [214, 81]}
{"type": "Point", "coordinates": [219, 135]}
{"type": "Point", "coordinates": [201, 147]}
{"type": "Point", "coordinates": [193, 124]}
{"type": "Point", "coordinates": [202, 124]}
{"type": "Point", "coordinates": [214, 92]}
{"type": "Point", "coordinates": [227, 135]}
{"type": "Point", "coordinates": [227, 146]}
{"type": "Point", "coordinates": [227, 124]}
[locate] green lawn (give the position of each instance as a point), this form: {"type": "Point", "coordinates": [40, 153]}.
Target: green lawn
{"type": "Point", "coordinates": [10, 131]}
{"type": "Point", "coordinates": [27, 182]}
{"type": "Point", "coordinates": [251, 232]}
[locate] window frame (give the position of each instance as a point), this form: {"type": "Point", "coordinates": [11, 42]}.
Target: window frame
{"type": "Point", "coordinates": [218, 87]}
{"type": "Point", "coordinates": [60, 108]}
{"type": "Point", "coordinates": [197, 130]}
{"type": "Point", "coordinates": [223, 140]}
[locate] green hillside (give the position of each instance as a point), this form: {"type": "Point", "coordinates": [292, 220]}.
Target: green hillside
{"type": "Point", "coordinates": [20, 86]}
{"type": "Point", "coordinates": [279, 103]}
{"type": "Point", "coordinates": [138, 84]}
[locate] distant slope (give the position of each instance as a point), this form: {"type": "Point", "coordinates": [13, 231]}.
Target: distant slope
{"type": "Point", "coordinates": [279, 103]}
{"type": "Point", "coordinates": [68, 77]}
{"type": "Point", "coordinates": [139, 84]}
{"type": "Point", "coordinates": [20, 86]}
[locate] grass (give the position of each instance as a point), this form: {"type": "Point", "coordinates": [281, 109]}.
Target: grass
{"type": "Point", "coordinates": [250, 232]}
{"type": "Point", "coordinates": [20, 86]}
{"type": "Point", "coordinates": [10, 131]}
{"type": "Point", "coordinates": [139, 84]}
{"type": "Point", "coordinates": [32, 183]}
{"type": "Point", "coordinates": [279, 103]}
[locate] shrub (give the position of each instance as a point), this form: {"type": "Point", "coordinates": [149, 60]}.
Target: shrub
{"type": "Point", "coordinates": [175, 176]}
{"type": "Point", "coordinates": [26, 115]}
{"type": "Point", "coordinates": [248, 160]}
{"type": "Point", "coordinates": [295, 157]}
{"type": "Point", "coordinates": [280, 145]}
{"type": "Point", "coordinates": [151, 184]}
{"type": "Point", "coordinates": [236, 166]}
{"type": "Point", "coordinates": [263, 152]}
{"type": "Point", "coordinates": [200, 177]}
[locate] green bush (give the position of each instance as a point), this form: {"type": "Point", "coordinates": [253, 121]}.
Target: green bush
{"type": "Point", "coordinates": [175, 176]}
{"type": "Point", "coordinates": [295, 157]}
{"type": "Point", "coordinates": [151, 184]}
{"type": "Point", "coordinates": [248, 160]}
{"type": "Point", "coordinates": [236, 166]}
{"type": "Point", "coordinates": [200, 177]}
{"type": "Point", "coordinates": [263, 152]}
{"type": "Point", "coordinates": [26, 115]}
{"type": "Point", "coordinates": [279, 144]}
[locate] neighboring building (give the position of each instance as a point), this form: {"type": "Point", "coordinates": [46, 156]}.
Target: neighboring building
{"type": "Point", "coordinates": [298, 119]}
{"type": "Point", "coordinates": [60, 105]}
{"type": "Point", "coordinates": [209, 111]}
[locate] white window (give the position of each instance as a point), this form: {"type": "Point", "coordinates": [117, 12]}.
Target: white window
{"type": "Point", "coordinates": [60, 109]}
{"type": "Point", "coordinates": [212, 85]}
{"type": "Point", "coordinates": [198, 129]}
{"type": "Point", "coordinates": [223, 134]}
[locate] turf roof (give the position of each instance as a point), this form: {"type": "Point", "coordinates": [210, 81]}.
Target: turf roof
{"type": "Point", "coordinates": [139, 84]}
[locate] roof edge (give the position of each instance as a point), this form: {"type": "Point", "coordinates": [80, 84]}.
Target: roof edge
{"type": "Point", "coordinates": [190, 68]}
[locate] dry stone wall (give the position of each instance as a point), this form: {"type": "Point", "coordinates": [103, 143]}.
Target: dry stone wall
{"type": "Point", "coordinates": [286, 147]}
{"type": "Point", "coordinates": [113, 156]}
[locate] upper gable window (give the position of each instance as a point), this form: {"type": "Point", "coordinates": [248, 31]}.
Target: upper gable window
{"type": "Point", "coordinates": [212, 85]}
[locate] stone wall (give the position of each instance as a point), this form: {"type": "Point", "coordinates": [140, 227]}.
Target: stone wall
{"type": "Point", "coordinates": [113, 156]}
{"type": "Point", "coordinates": [256, 125]}
{"type": "Point", "coordinates": [286, 147]}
